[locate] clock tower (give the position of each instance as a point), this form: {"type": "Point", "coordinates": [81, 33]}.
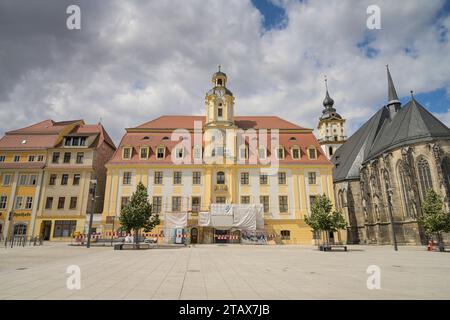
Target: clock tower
{"type": "Point", "coordinates": [219, 103]}
{"type": "Point", "coordinates": [332, 129]}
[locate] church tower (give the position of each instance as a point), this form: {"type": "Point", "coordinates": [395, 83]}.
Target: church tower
{"type": "Point", "coordinates": [219, 103]}
{"type": "Point", "coordinates": [332, 131]}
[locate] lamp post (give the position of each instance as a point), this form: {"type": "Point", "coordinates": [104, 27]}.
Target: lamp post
{"type": "Point", "coordinates": [112, 233]}
{"type": "Point", "coordinates": [92, 189]}
{"type": "Point", "coordinates": [394, 238]}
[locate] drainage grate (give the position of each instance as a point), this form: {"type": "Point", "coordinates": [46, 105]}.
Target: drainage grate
{"type": "Point", "coordinates": [22, 269]}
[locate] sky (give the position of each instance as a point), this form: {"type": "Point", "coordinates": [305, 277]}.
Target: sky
{"type": "Point", "coordinates": [133, 61]}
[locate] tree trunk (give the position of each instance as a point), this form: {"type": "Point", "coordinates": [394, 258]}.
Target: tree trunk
{"type": "Point", "coordinates": [440, 242]}
{"type": "Point", "coordinates": [136, 238]}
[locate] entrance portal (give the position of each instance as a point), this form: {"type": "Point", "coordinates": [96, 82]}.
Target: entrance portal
{"type": "Point", "coordinates": [194, 235]}
{"type": "Point", "coordinates": [221, 236]}
{"type": "Point", "coordinates": [46, 227]}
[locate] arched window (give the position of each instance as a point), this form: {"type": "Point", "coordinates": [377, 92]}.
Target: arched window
{"type": "Point", "coordinates": [426, 183]}
{"type": "Point", "coordinates": [446, 172]}
{"type": "Point", "coordinates": [330, 150]}
{"type": "Point", "coordinates": [342, 198]}
{"type": "Point", "coordinates": [220, 177]}
{"type": "Point", "coordinates": [404, 186]}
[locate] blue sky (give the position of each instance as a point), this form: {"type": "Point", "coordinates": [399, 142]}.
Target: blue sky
{"type": "Point", "coordinates": [436, 101]}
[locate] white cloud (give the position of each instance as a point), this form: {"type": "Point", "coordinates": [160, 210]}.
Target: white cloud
{"type": "Point", "coordinates": [133, 61]}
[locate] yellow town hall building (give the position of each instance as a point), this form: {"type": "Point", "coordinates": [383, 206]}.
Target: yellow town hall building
{"type": "Point", "coordinates": [193, 164]}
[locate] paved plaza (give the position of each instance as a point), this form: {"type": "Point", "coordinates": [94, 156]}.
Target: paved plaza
{"type": "Point", "coordinates": [223, 272]}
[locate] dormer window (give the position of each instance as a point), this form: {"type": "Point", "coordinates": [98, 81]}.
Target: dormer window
{"type": "Point", "coordinates": [160, 152]}
{"type": "Point", "coordinates": [126, 153]}
{"type": "Point", "coordinates": [144, 152]}
{"type": "Point", "coordinates": [75, 141]}
{"type": "Point", "coordinates": [262, 153]}
{"type": "Point", "coordinates": [243, 153]}
{"type": "Point", "coordinates": [295, 153]}
{"type": "Point", "coordinates": [165, 138]}
{"type": "Point", "coordinates": [292, 139]}
{"type": "Point", "coordinates": [280, 153]}
{"type": "Point", "coordinates": [180, 153]}
{"type": "Point", "coordinates": [312, 153]}
{"type": "Point", "coordinates": [146, 138]}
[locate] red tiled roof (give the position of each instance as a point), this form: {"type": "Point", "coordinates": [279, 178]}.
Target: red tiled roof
{"type": "Point", "coordinates": [44, 127]}
{"type": "Point", "coordinates": [32, 141]}
{"type": "Point", "coordinates": [244, 122]}
{"type": "Point", "coordinates": [135, 139]}
{"type": "Point", "coordinates": [95, 129]}
{"type": "Point", "coordinates": [44, 134]}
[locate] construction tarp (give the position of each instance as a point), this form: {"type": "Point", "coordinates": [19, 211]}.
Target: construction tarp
{"type": "Point", "coordinates": [222, 222]}
{"type": "Point", "coordinates": [221, 209]}
{"type": "Point", "coordinates": [238, 216]}
{"type": "Point", "coordinates": [174, 220]}
{"type": "Point", "coordinates": [204, 219]}
{"type": "Point", "coordinates": [259, 208]}
{"type": "Point", "coordinates": [244, 216]}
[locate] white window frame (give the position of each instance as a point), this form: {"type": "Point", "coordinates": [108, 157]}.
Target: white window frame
{"type": "Point", "coordinates": [146, 154]}
{"type": "Point", "coordinates": [23, 182]}
{"type": "Point", "coordinates": [4, 179]}
{"type": "Point", "coordinates": [292, 152]}
{"type": "Point", "coordinates": [315, 153]}
{"type": "Point", "coordinates": [3, 201]}
{"type": "Point", "coordinates": [163, 153]}
{"type": "Point", "coordinates": [18, 203]}
{"type": "Point", "coordinates": [130, 150]}
{"type": "Point", "coordinates": [29, 203]}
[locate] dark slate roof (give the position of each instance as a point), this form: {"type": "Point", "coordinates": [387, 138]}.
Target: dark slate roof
{"type": "Point", "coordinates": [412, 124]}
{"type": "Point", "coordinates": [349, 157]}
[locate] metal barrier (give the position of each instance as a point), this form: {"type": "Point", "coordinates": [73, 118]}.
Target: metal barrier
{"type": "Point", "coordinates": [22, 241]}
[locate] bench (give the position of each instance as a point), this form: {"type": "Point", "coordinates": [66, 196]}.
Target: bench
{"type": "Point", "coordinates": [330, 247]}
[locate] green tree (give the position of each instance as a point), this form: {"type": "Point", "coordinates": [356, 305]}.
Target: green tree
{"type": "Point", "coordinates": [137, 213]}
{"type": "Point", "coordinates": [435, 220]}
{"type": "Point", "coordinates": [323, 218]}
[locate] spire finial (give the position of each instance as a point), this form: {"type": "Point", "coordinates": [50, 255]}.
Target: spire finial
{"type": "Point", "coordinates": [220, 67]}
{"type": "Point", "coordinates": [412, 94]}
{"type": "Point", "coordinates": [328, 102]}
{"type": "Point", "coordinates": [392, 93]}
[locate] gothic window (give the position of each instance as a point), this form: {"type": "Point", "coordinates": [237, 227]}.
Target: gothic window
{"type": "Point", "coordinates": [446, 172]}
{"type": "Point", "coordinates": [425, 180]}
{"type": "Point", "coordinates": [404, 186]}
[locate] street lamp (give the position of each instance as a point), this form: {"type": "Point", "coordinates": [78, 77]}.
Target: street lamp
{"type": "Point", "coordinates": [394, 238]}
{"type": "Point", "coordinates": [92, 190]}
